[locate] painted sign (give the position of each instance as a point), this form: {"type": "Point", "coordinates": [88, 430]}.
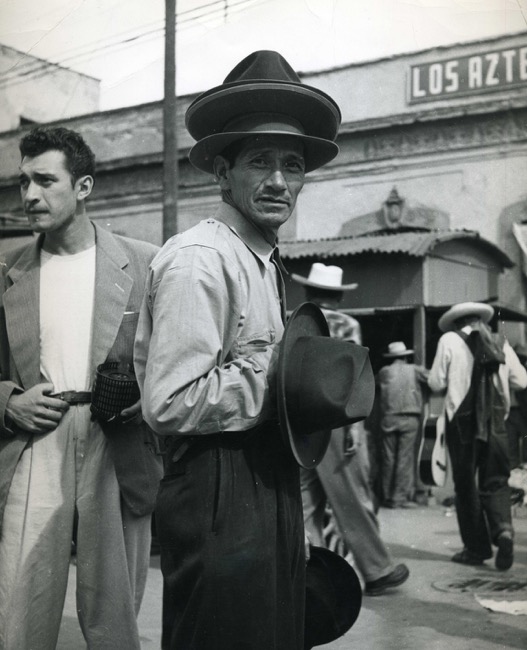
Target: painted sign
{"type": "Point", "coordinates": [476, 73]}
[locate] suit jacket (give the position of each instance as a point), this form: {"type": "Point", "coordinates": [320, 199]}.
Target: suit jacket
{"type": "Point", "coordinates": [121, 270]}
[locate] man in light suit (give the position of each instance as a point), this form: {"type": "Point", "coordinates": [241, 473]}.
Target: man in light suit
{"type": "Point", "coordinates": [70, 302]}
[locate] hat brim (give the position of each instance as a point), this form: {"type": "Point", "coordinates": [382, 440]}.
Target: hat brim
{"type": "Point", "coordinates": [317, 152]}
{"type": "Point", "coordinates": [331, 583]}
{"type": "Point", "coordinates": [483, 311]}
{"type": "Point", "coordinates": [318, 285]}
{"type": "Point", "coordinates": [308, 449]}
{"type": "Point", "coordinates": [212, 110]}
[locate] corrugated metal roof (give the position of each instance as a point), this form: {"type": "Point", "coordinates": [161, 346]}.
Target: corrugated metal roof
{"type": "Point", "coordinates": [415, 243]}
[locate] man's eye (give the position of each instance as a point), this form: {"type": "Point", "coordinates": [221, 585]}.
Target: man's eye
{"type": "Point", "coordinates": [295, 166]}
{"type": "Point", "coordinates": [23, 182]}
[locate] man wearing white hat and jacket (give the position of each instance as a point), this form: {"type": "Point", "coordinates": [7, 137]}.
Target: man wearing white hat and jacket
{"type": "Point", "coordinates": [475, 428]}
{"type": "Point", "coordinates": [341, 478]}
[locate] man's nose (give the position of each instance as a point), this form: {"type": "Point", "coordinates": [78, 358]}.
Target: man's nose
{"type": "Point", "coordinates": [277, 180]}
{"type": "Point", "coordinates": [31, 193]}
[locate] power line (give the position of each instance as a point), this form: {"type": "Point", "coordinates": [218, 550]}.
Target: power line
{"type": "Point", "coordinates": [31, 69]}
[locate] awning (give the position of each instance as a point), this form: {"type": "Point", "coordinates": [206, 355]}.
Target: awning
{"type": "Point", "coordinates": [412, 242]}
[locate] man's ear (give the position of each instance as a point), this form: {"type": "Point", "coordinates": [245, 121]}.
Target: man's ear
{"type": "Point", "coordinates": [84, 186]}
{"type": "Point", "coordinates": [221, 172]}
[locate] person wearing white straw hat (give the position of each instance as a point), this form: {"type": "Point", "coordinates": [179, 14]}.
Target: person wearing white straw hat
{"type": "Point", "coordinates": [401, 404]}
{"type": "Point", "coordinates": [342, 477]}
{"type": "Point", "coordinates": [476, 370]}
{"type": "Point", "coordinates": [229, 511]}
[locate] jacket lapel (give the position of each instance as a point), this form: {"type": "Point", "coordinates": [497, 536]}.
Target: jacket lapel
{"type": "Point", "coordinates": [112, 291]}
{"type": "Point", "coordinates": [22, 311]}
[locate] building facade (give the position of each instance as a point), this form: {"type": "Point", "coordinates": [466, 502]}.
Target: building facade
{"type": "Point", "coordinates": [446, 128]}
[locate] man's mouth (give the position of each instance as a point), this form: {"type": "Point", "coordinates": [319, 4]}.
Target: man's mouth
{"type": "Point", "coordinates": [274, 201]}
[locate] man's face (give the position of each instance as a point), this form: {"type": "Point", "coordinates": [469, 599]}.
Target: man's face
{"type": "Point", "coordinates": [49, 198]}
{"type": "Point", "coordinates": [265, 180]}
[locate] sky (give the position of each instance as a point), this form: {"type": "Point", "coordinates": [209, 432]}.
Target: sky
{"type": "Point", "coordinates": [121, 42]}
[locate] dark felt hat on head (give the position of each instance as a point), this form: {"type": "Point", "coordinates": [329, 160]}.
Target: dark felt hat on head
{"type": "Point", "coordinates": [333, 597]}
{"type": "Point", "coordinates": [322, 384]}
{"type": "Point", "coordinates": [263, 95]}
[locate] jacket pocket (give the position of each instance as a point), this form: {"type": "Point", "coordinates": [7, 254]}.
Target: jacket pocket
{"type": "Point", "coordinates": [245, 346]}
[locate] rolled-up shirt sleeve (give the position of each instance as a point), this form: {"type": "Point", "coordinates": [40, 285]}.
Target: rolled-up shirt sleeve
{"type": "Point", "coordinates": [200, 368]}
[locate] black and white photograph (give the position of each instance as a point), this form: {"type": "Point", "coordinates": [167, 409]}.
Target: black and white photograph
{"type": "Point", "coordinates": [263, 324]}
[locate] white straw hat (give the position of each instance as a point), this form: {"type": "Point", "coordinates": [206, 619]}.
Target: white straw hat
{"type": "Point", "coordinates": [480, 309]}
{"type": "Point", "coordinates": [397, 349]}
{"type": "Point", "coordinates": [324, 277]}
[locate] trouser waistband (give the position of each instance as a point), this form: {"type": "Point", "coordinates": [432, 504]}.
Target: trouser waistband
{"type": "Point", "coordinates": [74, 396]}
{"type": "Point", "coordinates": [226, 440]}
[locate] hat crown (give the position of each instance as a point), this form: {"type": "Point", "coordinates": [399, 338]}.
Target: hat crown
{"type": "Point", "coordinates": [396, 347]}
{"type": "Point", "coordinates": [264, 65]}
{"type": "Point", "coordinates": [330, 276]}
{"type": "Point", "coordinates": [263, 85]}
{"type": "Point", "coordinates": [329, 383]}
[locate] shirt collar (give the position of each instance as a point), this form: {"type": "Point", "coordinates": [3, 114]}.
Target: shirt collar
{"type": "Point", "coordinates": [245, 230]}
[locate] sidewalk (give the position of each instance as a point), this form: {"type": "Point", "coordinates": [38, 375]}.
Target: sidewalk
{"type": "Point", "coordinates": [441, 606]}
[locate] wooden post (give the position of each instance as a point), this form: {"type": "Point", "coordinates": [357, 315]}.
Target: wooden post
{"type": "Point", "coordinates": [170, 146]}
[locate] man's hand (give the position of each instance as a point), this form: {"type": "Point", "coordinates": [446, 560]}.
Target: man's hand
{"type": "Point", "coordinates": [132, 414]}
{"type": "Point", "coordinates": [34, 410]}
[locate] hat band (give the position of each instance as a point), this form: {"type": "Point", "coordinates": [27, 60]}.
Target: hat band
{"type": "Point", "coordinates": [262, 122]}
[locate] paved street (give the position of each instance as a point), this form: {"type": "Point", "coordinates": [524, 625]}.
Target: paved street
{"type": "Point", "coordinates": [438, 608]}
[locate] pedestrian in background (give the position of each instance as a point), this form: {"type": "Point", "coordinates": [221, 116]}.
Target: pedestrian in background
{"type": "Point", "coordinates": [401, 404]}
{"type": "Point", "coordinates": [341, 479]}
{"type": "Point", "coordinates": [70, 302]}
{"type": "Point", "coordinates": [476, 369]}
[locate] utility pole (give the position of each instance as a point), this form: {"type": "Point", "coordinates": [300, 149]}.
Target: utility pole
{"type": "Point", "coordinates": [170, 145]}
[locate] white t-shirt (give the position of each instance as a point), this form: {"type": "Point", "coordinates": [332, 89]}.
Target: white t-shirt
{"type": "Point", "coordinates": [67, 284]}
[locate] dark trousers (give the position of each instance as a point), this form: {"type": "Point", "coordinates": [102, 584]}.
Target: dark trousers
{"type": "Point", "coordinates": [230, 527]}
{"type": "Point", "coordinates": [481, 473]}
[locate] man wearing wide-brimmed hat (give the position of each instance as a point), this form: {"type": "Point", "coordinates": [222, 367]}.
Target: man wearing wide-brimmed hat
{"type": "Point", "coordinates": [229, 511]}
{"type": "Point", "coordinates": [476, 369]}
{"type": "Point", "coordinates": [401, 404]}
{"type": "Point", "coordinates": [342, 476]}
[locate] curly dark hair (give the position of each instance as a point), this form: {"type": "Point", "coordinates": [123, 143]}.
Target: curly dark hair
{"type": "Point", "coordinates": [80, 159]}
